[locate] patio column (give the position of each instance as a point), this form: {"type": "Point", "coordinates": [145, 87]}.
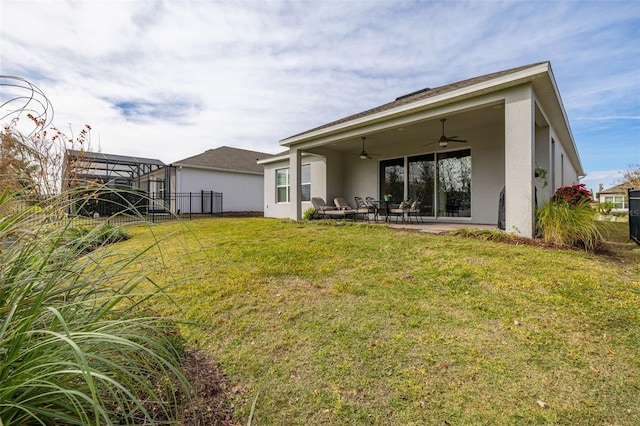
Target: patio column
{"type": "Point", "coordinates": [295, 186]}
{"type": "Point", "coordinates": [519, 139]}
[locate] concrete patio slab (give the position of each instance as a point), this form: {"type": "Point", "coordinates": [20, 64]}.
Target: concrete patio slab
{"type": "Point", "coordinates": [439, 228]}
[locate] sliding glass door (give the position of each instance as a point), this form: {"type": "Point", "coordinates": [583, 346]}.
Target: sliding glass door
{"type": "Point", "coordinates": [422, 174]}
{"type": "Point", "coordinates": [454, 183]}
{"type": "Point", "coordinates": [442, 182]}
{"type": "Point", "coordinates": [392, 178]}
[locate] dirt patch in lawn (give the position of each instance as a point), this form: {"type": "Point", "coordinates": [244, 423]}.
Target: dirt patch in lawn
{"type": "Point", "coordinates": [211, 391]}
{"type": "Point", "coordinates": [209, 403]}
{"type": "Point", "coordinates": [243, 214]}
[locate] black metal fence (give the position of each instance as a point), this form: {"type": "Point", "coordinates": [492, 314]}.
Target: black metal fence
{"type": "Point", "coordinates": [134, 206]}
{"type": "Point", "coordinates": [634, 215]}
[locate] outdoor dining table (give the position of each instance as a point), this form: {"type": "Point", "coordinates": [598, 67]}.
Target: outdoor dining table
{"type": "Point", "coordinates": [385, 209]}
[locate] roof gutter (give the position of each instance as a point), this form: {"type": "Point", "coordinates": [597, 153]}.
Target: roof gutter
{"type": "Point", "coordinates": [283, 157]}
{"type": "Point", "coordinates": [216, 169]}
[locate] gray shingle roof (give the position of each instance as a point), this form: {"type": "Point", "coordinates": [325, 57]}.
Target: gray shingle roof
{"type": "Point", "coordinates": [623, 187]}
{"type": "Point", "coordinates": [422, 94]}
{"type": "Point", "coordinates": [227, 158]}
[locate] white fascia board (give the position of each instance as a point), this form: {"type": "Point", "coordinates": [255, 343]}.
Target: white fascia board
{"type": "Point", "coordinates": [497, 83]}
{"type": "Point", "coordinates": [215, 169]}
{"type": "Point", "coordinates": [566, 121]}
{"type": "Point", "coordinates": [280, 158]}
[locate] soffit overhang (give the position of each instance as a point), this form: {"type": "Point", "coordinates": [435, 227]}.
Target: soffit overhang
{"type": "Point", "coordinates": [473, 96]}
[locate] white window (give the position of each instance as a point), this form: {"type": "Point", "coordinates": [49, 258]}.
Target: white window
{"type": "Point", "coordinates": [283, 191]}
{"type": "Point", "coordinates": [618, 201]}
{"type": "Point", "coordinates": [282, 186]}
{"type": "Point", "coordinates": [305, 179]}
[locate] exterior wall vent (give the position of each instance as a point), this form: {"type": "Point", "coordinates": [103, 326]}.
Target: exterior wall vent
{"type": "Point", "coordinates": [408, 95]}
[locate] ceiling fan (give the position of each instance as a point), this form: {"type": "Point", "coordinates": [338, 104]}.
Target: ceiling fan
{"type": "Point", "coordinates": [364, 155]}
{"type": "Point", "coordinates": [444, 140]}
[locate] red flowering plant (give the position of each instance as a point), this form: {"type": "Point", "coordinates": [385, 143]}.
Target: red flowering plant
{"type": "Point", "coordinates": [572, 195]}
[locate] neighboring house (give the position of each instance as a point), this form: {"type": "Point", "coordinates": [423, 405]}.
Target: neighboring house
{"type": "Point", "coordinates": [513, 122]}
{"type": "Point", "coordinates": [618, 195]}
{"type": "Point", "coordinates": [231, 171]}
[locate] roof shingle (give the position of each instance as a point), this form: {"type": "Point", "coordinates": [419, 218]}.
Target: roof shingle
{"type": "Point", "coordinates": [422, 94]}
{"type": "Point", "coordinates": [227, 158]}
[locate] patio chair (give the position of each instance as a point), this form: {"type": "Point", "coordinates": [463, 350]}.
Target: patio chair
{"type": "Point", "coordinates": [453, 207]}
{"type": "Point", "coordinates": [415, 210]}
{"type": "Point", "coordinates": [321, 207]}
{"type": "Point", "coordinates": [342, 204]}
{"type": "Point", "coordinates": [328, 211]}
{"type": "Point", "coordinates": [345, 207]}
{"type": "Point", "coordinates": [363, 208]}
{"type": "Point", "coordinates": [401, 211]}
{"type": "Point", "coordinates": [372, 202]}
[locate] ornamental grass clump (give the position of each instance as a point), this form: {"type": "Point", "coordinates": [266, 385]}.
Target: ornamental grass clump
{"type": "Point", "coordinates": [568, 219]}
{"type": "Point", "coordinates": [76, 345]}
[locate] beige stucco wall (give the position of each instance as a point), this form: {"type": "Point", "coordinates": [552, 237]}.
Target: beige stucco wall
{"type": "Point", "coordinates": [319, 179]}
{"type": "Point", "coordinates": [519, 160]}
{"type": "Point", "coordinates": [240, 191]}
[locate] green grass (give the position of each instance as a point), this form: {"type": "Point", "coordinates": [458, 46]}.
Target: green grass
{"type": "Point", "coordinates": [361, 324]}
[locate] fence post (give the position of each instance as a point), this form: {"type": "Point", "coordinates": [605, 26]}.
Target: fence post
{"type": "Point", "coordinates": [211, 203]}
{"type": "Point", "coordinates": [633, 197]}
{"type": "Point", "coordinates": [190, 205]}
{"type": "Point", "coordinates": [150, 208]}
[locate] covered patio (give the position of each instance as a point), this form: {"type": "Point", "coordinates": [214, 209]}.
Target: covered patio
{"type": "Point", "coordinates": [455, 148]}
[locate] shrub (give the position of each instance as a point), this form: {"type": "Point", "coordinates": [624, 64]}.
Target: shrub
{"type": "Point", "coordinates": [76, 346]}
{"type": "Point", "coordinates": [572, 195]}
{"type": "Point", "coordinates": [311, 214]}
{"type": "Point", "coordinates": [568, 220]}
{"type": "Point", "coordinates": [606, 207]}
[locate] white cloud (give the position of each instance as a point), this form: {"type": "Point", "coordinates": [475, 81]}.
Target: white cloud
{"type": "Point", "coordinates": [606, 178]}
{"type": "Point", "coordinates": [200, 74]}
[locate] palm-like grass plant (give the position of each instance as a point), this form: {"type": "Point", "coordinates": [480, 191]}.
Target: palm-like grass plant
{"type": "Point", "coordinates": [76, 346]}
{"type": "Point", "coordinates": [568, 219]}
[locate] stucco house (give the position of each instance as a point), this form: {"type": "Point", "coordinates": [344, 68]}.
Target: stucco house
{"type": "Point", "coordinates": [618, 195]}
{"type": "Point", "coordinates": [190, 185]}
{"type": "Point", "coordinates": [231, 171]}
{"type": "Point", "coordinates": [454, 147]}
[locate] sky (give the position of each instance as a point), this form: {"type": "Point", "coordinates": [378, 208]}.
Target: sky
{"type": "Point", "coordinates": [171, 79]}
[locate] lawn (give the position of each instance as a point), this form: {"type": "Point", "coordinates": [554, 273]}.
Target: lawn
{"type": "Point", "coordinates": [357, 324]}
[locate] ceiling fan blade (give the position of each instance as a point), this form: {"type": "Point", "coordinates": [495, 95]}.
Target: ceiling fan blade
{"type": "Point", "coordinates": [435, 142]}
{"type": "Point", "coordinates": [456, 140]}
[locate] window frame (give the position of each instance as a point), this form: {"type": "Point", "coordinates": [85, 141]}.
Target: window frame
{"type": "Point", "coordinates": [287, 184]}
{"type": "Point", "coordinates": [304, 184]}
{"type": "Point", "coordinates": [617, 200]}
